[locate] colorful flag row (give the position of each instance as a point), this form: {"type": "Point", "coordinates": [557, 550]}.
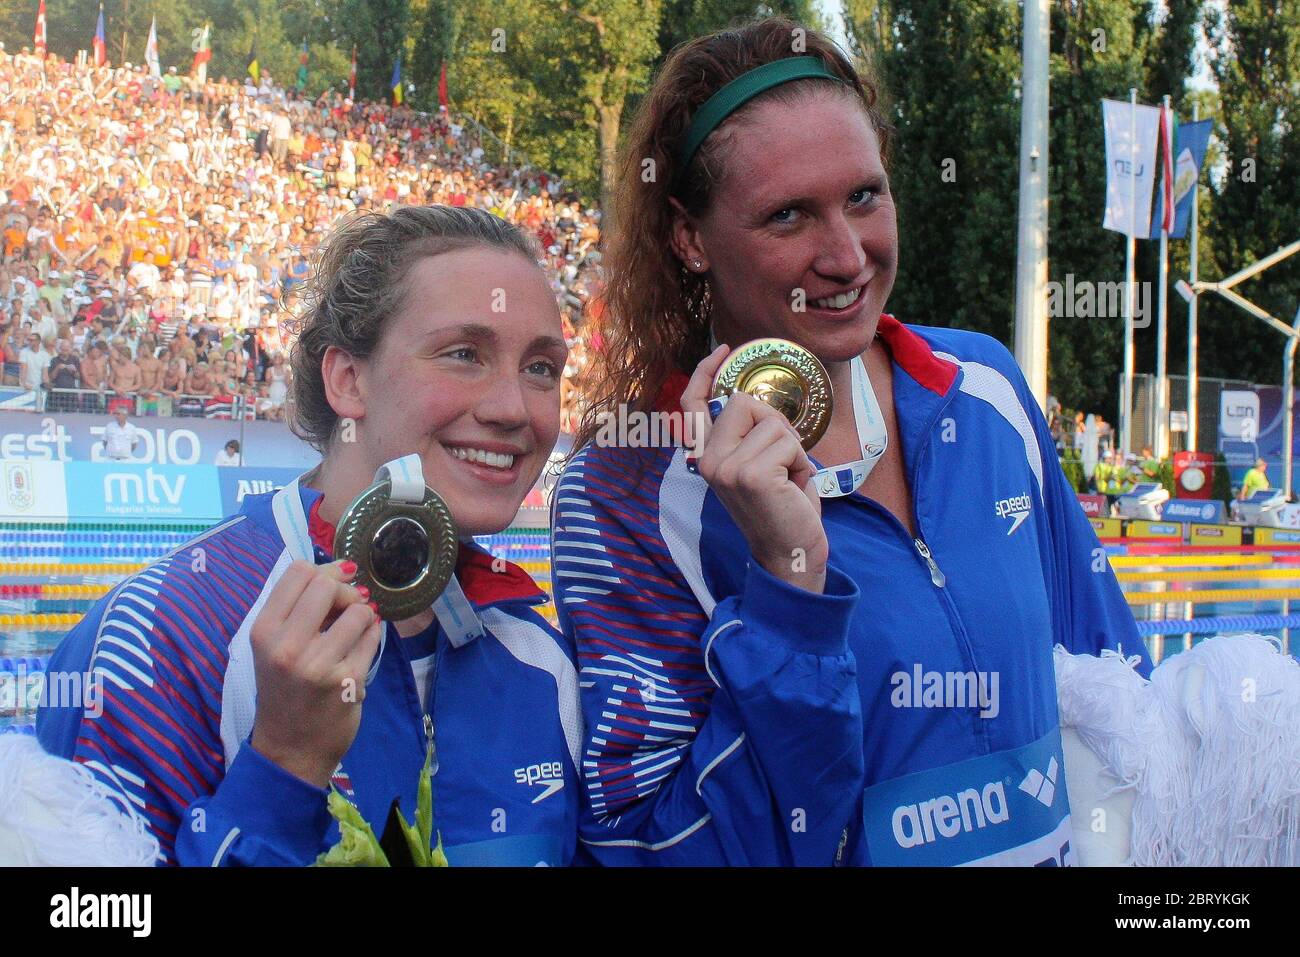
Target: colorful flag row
{"type": "Point", "coordinates": [1135, 133]}
{"type": "Point", "coordinates": [203, 53]}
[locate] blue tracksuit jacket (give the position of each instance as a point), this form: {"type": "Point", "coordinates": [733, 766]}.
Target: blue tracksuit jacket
{"type": "Point", "coordinates": [907, 715]}
{"type": "Point", "coordinates": [172, 667]}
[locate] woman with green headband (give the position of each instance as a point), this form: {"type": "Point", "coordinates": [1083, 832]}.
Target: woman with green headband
{"type": "Point", "coordinates": [801, 648]}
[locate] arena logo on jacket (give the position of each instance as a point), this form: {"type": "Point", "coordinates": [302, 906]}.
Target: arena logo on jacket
{"type": "Point", "coordinates": [1009, 808]}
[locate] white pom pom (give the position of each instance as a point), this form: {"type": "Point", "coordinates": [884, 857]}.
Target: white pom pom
{"type": "Point", "coordinates": [1207, 750]}
{"type": "Point", "coordinates": [54, 813]}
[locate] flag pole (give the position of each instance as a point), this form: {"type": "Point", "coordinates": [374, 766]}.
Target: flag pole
{"type": "Point", "coordinates": [1162, 330]}
{"type": "Point", "coordinates": [1126, 407]}
{"type": "Point", "coordinates": [1031, 322]}
{"type": "Point", "coordinates": [126, 12]}
{"type": "Point", "coordinates": [1192, 379]}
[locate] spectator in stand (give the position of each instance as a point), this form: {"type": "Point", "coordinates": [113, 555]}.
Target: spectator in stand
{"type": "Point", "coordinates": [171, 387]}
{"type": "Point", "coordinates": [34, 360]}
{"type": "Point", "coordinates": [230, 455]}
{"type": "Point", "coordinates": [266, 409]}
{"type": "Point", "coordinates": [281, 132]}
{"type": "Point", "coordinates": [120, 437]}
{"type": "Point", "coordinates": [11, 344]}
{"type": "Point", "coordinates": [200, 382]}
{"type": "Point", "coordinates": [64, 372]}
{"type": "Point", "coordinates": [277, 381]}
{"type": "Point", "coordinates": [94, 367]}
{"type": "Point", "coordinates": [125, 378]}
{"type": "Point", "coordinates": [121, 186]}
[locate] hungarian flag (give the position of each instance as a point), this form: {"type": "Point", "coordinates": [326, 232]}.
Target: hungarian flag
{"type": "Point", "coordinates": [302, 66]}
{"type": "Point", "coordinates": [442, 88]}
{"type": "Point", "coordinates": [395, 84]}
{"type": "Point", "coordinates": [203, 53]}
{"type": "Point", "coordinates": [151, 50]}
{"type": "Point", "coordinates": [254, 68]}
{"type": "Point", "coordinates": [352, 77]}
{"type": "Point", "coordinates": [1167, 167]}
{"type": "Point", "coordinates": [38, 40]}
{"type": "Point", "coordinates": [98, 45]}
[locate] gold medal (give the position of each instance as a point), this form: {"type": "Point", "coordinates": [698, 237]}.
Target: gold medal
{"type": "Point", "coordinates": [405, 551]}
{"type": "Point", "coordinates": [785, 376]}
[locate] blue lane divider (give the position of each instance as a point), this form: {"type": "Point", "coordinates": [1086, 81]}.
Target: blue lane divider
{"type": "Point", "coordinates": [1203, 626]}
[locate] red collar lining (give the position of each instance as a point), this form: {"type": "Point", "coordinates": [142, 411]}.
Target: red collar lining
{"type": "Point", "coordinates": [483, 583]}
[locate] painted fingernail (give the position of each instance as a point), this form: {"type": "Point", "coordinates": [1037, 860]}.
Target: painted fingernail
{"type": "Point", "coordinates": [365, 592]}
{"type": "Point", "coordinates": [373, 607]}
{"type": "Point", "coordinates": [348, 567]}
{"type": "Point", "coordinates": [692, 465]}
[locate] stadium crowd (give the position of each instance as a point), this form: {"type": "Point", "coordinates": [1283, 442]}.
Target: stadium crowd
{"type": "Point", "coordinates": [155, 233]}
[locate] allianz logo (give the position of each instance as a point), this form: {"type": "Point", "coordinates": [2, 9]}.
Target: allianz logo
{"type": "Point", "coordinates": [947, 816]}
{"type": "Point", "coordinates": [129, 488]}
{"type": "Point", "coordinates": [254, 487]}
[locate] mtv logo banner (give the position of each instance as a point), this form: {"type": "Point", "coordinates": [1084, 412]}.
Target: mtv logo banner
{"type": "Point", "coordinates": [89, 490]}
{"type": "Point", "coordinates": [151, 492]}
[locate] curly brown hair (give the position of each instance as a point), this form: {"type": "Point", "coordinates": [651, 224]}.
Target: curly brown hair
{"type": "Point", "coordinates": [359, 283]}
{"type": "Point", "coordinates": [656, 312]}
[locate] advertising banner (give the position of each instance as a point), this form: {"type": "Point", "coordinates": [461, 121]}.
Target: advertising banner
{"type": "Point", "coordinates": [87, 491]}
{"type": "Point", "coordinates": [1192, 510]}
{"type": "Point", "coordinates": [236, 483]}
{"type": "Point", "coordinates": [152, 492]}
{"type": "Point", "coordinates": [1094, 506]}
{"type": "Point", "coordinates": [77, 437]}
{"type": "Point", "coordinates": [32, 490]}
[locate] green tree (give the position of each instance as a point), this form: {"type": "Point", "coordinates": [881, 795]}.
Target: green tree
{"type": "Point", "coordinates": [1097, 52]}
{"type": "Point", "coordinates": [684, 20]}
{"type": "Point", "coordinates": [1255, 59]}
{"type": "Point", "coordinates": [436, 27]}
{"type": "Point", "coordinates": [950, 68]}
{"type": "Point", "coordinates": [379, 29]}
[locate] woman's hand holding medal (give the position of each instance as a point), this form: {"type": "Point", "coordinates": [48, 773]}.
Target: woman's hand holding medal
{"type": "Point", "coordinates": [313, 644]}
{"type": "Point", "coordinates": [753, 459]}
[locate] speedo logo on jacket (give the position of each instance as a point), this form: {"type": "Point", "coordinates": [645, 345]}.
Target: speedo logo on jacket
{"type": "Point", "coordinates": [945, 816]}
{"type": "Point", "coordinates": [1016, 508]}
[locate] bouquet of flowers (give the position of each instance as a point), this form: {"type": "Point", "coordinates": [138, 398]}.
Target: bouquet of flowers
{"type": "Point", "coordinates": [402, 845]}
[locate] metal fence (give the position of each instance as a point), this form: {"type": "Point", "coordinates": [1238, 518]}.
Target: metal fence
{"type": "Point", "coordinates": [1208, 392]}
{"type": "Point", "coordinates": [153, 404]}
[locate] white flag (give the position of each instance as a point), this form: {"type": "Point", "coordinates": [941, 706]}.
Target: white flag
{"type": "Point", "coordinates": [151, 50]}
{"type": "Point", "coordinates": [1130, 165]}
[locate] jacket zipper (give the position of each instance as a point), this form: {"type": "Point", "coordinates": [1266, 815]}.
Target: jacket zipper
{"type": "Point", "coordinates": [430, 742]}
{"type": "Point", "coordinates": [936, 576]}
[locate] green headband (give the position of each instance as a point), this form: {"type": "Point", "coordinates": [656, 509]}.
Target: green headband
{"type": "Point", "coordinates": [743, 89]}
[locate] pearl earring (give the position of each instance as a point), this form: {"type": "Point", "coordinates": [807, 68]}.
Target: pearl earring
{"type": "Point", "coordinates": [696, 263]}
